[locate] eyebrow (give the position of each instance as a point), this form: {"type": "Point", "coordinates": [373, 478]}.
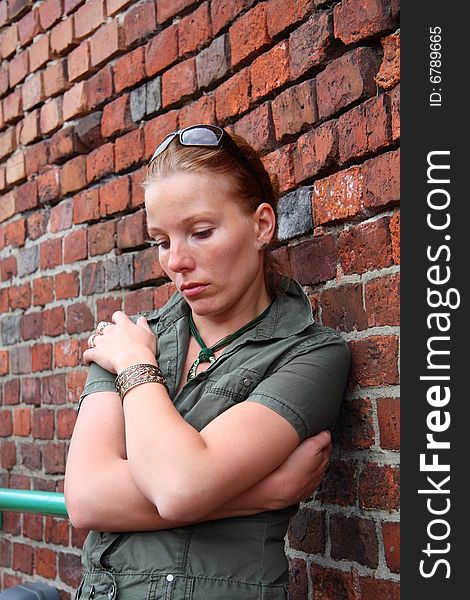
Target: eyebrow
{"type": "Point", "coordinates": [191, 219]}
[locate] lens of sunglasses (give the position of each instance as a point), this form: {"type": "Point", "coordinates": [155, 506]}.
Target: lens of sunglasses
{"type": "Point", "coordinates": [200, 136]}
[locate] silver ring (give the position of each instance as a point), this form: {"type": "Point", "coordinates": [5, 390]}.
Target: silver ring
{"type": "Point", "coordinates": [91, 343]}
{"type": "Point", "coordinates": [102, 325]}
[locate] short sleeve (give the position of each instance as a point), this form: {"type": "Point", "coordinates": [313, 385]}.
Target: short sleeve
{"type": "Point", "coordinates": [308, 388]}
{"type": "Point", "coordinates": [98, 380]}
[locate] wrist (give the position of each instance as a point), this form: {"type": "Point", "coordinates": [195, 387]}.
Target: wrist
{"type": "Point", "coordinates": [139, 358]}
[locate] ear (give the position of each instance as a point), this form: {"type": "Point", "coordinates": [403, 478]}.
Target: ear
{"type": "Point", "coordinates": [265, 221]}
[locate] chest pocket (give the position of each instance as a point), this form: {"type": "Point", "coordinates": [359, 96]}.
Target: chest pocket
{"type": "Point", "coordinates": [235, 386]}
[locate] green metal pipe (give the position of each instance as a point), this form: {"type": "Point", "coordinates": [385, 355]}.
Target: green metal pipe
{"type": "Point", "coordinates": [32, 501]}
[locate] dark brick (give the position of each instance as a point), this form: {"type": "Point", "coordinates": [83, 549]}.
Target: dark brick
{"type": "Point", "coordinates": [353, 538]}
{"type": "Point", "coordinates": [294, 213]}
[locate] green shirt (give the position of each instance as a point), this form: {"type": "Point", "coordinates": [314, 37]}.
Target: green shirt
{"type": "Point", "coordinates": [288, 363]}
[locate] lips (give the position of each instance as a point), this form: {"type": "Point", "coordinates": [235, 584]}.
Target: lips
{"type": "Point", "coordinates": [193, 289]}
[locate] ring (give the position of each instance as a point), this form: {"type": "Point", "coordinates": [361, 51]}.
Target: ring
{"type": "Point", "coordinates": [91, 343]}
{"type": "Point", "coordinates": [102, 325]}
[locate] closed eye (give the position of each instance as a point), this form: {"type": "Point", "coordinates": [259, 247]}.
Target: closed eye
{"type": "Point", "coordinates": [203, 234]}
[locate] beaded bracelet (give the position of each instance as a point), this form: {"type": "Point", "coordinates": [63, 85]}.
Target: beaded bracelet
{"type": "Point", "coordinates": [136, 375]}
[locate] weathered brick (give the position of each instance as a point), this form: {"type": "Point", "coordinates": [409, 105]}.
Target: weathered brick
{"type": "Point", "coordinates": [332, 584]}
{"type": "Point", "coordinates": [315, 150]}
{"type": "Point", "coordinates": [382, 301]}
{"type": "Point", "coordinates": [41, 355]}
{"type": "Point", "coordinates": [309, 44]}
{"type": "Point", "coordinates": [16, 169]}
{"type": "Point", "coordinates": [179, 81]}
{"type": "Point", "coordinates": [86, 206]}
{"type": "Point", "coordinates": [12, 392]}
{"type": "Point", "coordinates": [66, 285]}
{"type": "Point", "coordinates": [388, 413]}
{"type": "Point", "coordinates": [129, 150]}
{"type": "Point", "coordinates": [106, 43]}
{"type": "Point", "coordinates": [8, 268]}
{"type": "Point", "coordinates": [6, 426]}
{"type": "Point", "coordinates": [36, 158]}
{"type": "Point", "coordinates": [66, 353]}
{"type": "Point", "coordinates": [354, 538]}
{"type": "Point", "coordinates": [88, 18]}
{"type": "Point", "coordinates": [75, 246]}
{"type": "Point", "coordinates": [66, 418]}
{"type": "Point", "coordinates": [129, 70]}
{"type": "Point", "coordinates": [131, 230]}
{"type": "Point", "coordinates": [20, 296]}
{"type": "Point", "coordinates": [71, 5]}
{"type": "Point", "coordinates": [22, 557]}
{"type": "Point", "coordinates": [31, 458]}
{"type": "Point", "coordinates": [16, 8]}
{"type": "Point", "coordinates": [346, 79]}
{"type": "Point", "coordinates": [200, 111]}
{"type": "Point", "coordinates": [371, 588]}
{"type": "Point", "coordinates": [379, 487]}
{"type": "Point", "coordinates": [61, 216]}
{"type": "Point", "coordinates": [50, 253]}
{"type": "Point", "coordinates": [13, 107]}
{"type": "Point", "coordinates": [100, 87]}
{"type": "Point", "coordinates": [139, 22]}
{"type": "Point", "coordinates": [49, 185]}
{"type": "Point", "coordinates": [79, 318]}
{"type": "Point", "coordinates": [355, 425]}
{"type": "Point", "coordinates": [29, 27]}
{"type": "Point", "coordinates": [31, 325]}
{"type": "Point", "coordinates": [75, 101]}
{"type": "Point", "coordinates": [314, 260]}
{"type": "Point", "coordinates": [194, 30]}
{"type": "Point", "coordinates": [147, 266]}
{"type": "Point", "coordinates": [8, 41]}
{"type": "Point", "coordinates": [30, 131]}
{"type": "Point", "coordinates": [354, 22]}
{"type": "Point", "coordinates": [73, 175]}
{"type": "Point", "coordinates": [270, 71]}
{"type": "Point", "coordinates": [294, 109]}
{"type": "Point", "coordinates": [89, 130]}
{"type": "Point", "coordinates": [116, 117]}
{"type": "Point", "coordinates": [162, 50]}
{"type": "Point", "coordinates": [281, 14]}
{"type": "Point", "coordinates": [18, 68]}
{"type": "Point", "coordinates": [50, 116]}
{"type": "Point", "coordinates": [62, 37]}
{"type": "Point", "coordinates": [211, 63]}
{"type": "Point", "coordinates": [28, 261]}
{"type": "Point", "coordinates": [56, 531]}
{"type": "Point", "coordinates": [46, 563]}
{"type": "Point", "coordinates": [342, 308]}
{"type": "Point", "coordinates": [338, 196]}
{"type": "Point", "coordinates": [114, 196]}
{"type": "Point", "coordinates": [257, 128]}
{"type": "Point", "coordinates": [22, 421]}
{"type": "Point", "coordinates": [391, 538]}
{"type": "Point", "coordinates": [54, 461]}
{"type": "Point", "coordinates": [394, 96]}
{"type": "Point", "coordinates": [374, 361]}
{"type": "Point", "coordinates": [39, 52]}
{"type": "Point", "coordinates": [50, 12]}
{"type": "Point", "coordinates": [65, 144]}
{"type": "Point", "coordinates": [294, 213]}
{"type": "Point", "coordinates": [394, 229]}
{"type": "Point", "coordinates": [137, 300]}
{"type": "Point", "coordinates": [7, 142]}
{"type": "Point", "coordinates": [100, 162]}
{"type": "Point", "coordinates": [281, 163]}
{"type": "Point", "coordinates": [101, 238]}
{"type": "Point", "coordinates": [92, 277]}
{"type": "Point", "coordinates": [156, 129]}
{"type": "Point", "coordinates": [365, 246]}
{"type": "Point", "coordinates": [32, 91]}
{"type": "Point", "coordinates": [78, 61]}
{"type": "Point", "coordinates": [307, 531]}
{"type": "Point", "coordinates": [169, 8]}
{"type": "Point", "coordinates": [249, 34]}
{"type": "Point", "coordinates": [70, 569]}
{"type": "Point", "coordinates": [114, 6]}
{"type": "Point", "coordinates": [37, 224]}
{"type": "Point", "coordinates": [43, 290]}
{"type": "Point", "coordinates": [119, 272]}
{"type": "Point", "coordinates": [233, 96]}
{"type": "Point", "coordinates": [53, 387]}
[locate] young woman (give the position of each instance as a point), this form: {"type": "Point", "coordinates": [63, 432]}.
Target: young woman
{"type": "Point", "coordinates": [193, 444]}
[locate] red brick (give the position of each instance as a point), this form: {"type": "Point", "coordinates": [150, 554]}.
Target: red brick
{"type": "Point", "coordinates": [20, 296]}
{"type": "Point", "coordinates": [50, 253]}
{"type": "Point", "coordinates": [281, 163]}
{"type": "Point", "coordinates": [41, 355]}
{"type": "Point", "coordinates": [391, 538]}
{"type": "Point", "coordinates": [50, 12]}
{"type": "Point", "coordinates": [354, 538]}
{"type": "Point", "coordinates": [162, 294]}
{"type": "Point", "coordinates": [36, 158]}
{"type": "Point", "coordinates": [22, 421]}
{"type": "Point", "coordinates": [66, 418]}
{"type": "Point", "coordinates": [147, 267]}
{"type": "Point", "coordinates": [340, 484]}
{"type": "Point", "coordinates": [75, 246]}
{"type": "Point", "coordinates": [30, 128]}
{"type": "Point", "coordinates": [29, 27]}
{"type": "Point", "coordinates": [66, 285]}
{"type": "Point", "coordinates": [314, 260]}
{"type": "Point", "coordinates": [51, 116]}
{"type": "Point", "coordinates": [53, 321]}
{"type": "Point", "coordinates": [281, 15]}
{"type": "Point", "coordinates": [332, 584]}
{"type": "Point", "coordinates": [105, 308]}
{"type": "Point", "coordinates": [139, 22]}
{"type": "Point", "coordinates": [46, 563]}
{"type": "Point", "coordinates": [101, 237]}
{"type": "Point", "coordinates": [100, 162]}
{"type": "Point", "coordinates": [382, 180]}
{"type": "Point", "coordinates": [114, 196]}
{"type": "Point", "coordinates": [309, 44]}
{"type": "Point", "coordinates": [88, 18]}
{"type": "Point", "coordinates": [388, 413]}
{"type": "Point", "coordinates": [31, 325]}
{"type": "Point", "coordinates": [257, 128]}
{"type": "Point", "coordinates": [129, 150]}
{"type": "Point", "coordinates": [194, 30]}
{"type": "Point", "coordinates": [79, 318]}
{"type": "Point", "coordinates": [8, 268]}
{"type": "Point", "coordinates": [179, 81]}
{"type": "Point", "coordinates": [65, 144]}
{"type": "Point", "coordinates": [315, 150]}
{"type": "Point", "coordinates": [294, 109]}
{"type": "Point", "coordinates": [106, 43]}
{"type": "Point", "coordinates": [11, 392]}
{"type": "Point", "coordinates": [355, 424]}
{"type": "Point", "coordinates": [54, 387]}
{"type": "Point", "coordinates": [379, 487]}
{"type": "Point", "coordinates": [78, 61]}
{"type": "Point", "coordinates": [200, 111]}
{"type": "Point", "coordinates": [365, 246]}
{"type": "Point", "coordinates": [137, 191]}
{"type": "Point", "coordinates": [131, 230]}
{"type": "Point", "coordinates": [371, 589]}
{"type": "Point", "coordinates": [161, 51]}
{"type": "Point", "coordinates": [43, 423]}
{"type": "Point", "coordinates": [49, 185]}
{"type": "Point", "coordinates": [169, 8]}
{"type": "Point", "coordinates": [374, 361]}
{"type": "Point", "coordinates": [116, 117]}
{"type": "Point", "coordinates": [62, 37]}
{"type": "Point", "coordinates": [16, 169]}
{"type": "Point", "coordinates": [18, 68]}
{"type": "Point", "coordinates": [270, 71]}
{"type": "Point", "coordinates": [43, 290]}
{"type": "Point", "coordinates": [3, 20]}
{"type": "Point", "coordinates": [394, 228]}
{"type": "Point", "coordinates": [31, 386]}
{"type": "Point", "coordinates": [54, 460]}
{"type": "Point", "coordinates": [342, 308]}
{"type": "Point", "coordinates": [136, 301]}
{"type": "Point", "coordinates": [394, 97]}
{"type": "Point", "coordinates": [156, 129]}
{"type": "Point", "coordinates": [346, 80]}
{"type": "Point", "coordinates": [73, 175]}
{"type": "Point", "coordinates": [55, 78]}
{"type": "Point", "coordinates": [338, 196]}
{"type": "Point", "coordinates": [12, 107]}
{"type": "Point", "coordinates": [7, 142]}
{"type": "Point", "coordinates": [32, 91]}
{"type": "Point", "coordinates": [70, 569]}
{"type": "Point", "coordinates": [23, 558]}
{"type": "Point", "coordinates": [66, 353]}
{"type": "Point", "coordinates": [307, 531]}
{"type": "Point", "coordinates": [17, 8]}
{"type": "Point", "coordinates": [10, 581]}
{"type": "Point", "coordinates": [233, 96]}
{"type": "Point", "coordinates": [6, 424]}
{"type": "Point", "coordinates": [86, 206]}
{"type": "Point", "coordinates": [71, 5]}
{"type": "Point", "coordinates": [31, 458]}
{"type": "Point", "coordinates": [100, 87]}
{"type": "Point", "coordinates": [75, 101]}
{"type": "Point", "coordinates": [114, 6]}
{"type": "Point", "coordinates": [39, 52]}
{"type": "Point", "coordinates": [355, 22]}
{"type": "Point", "coordinates": [249, 34]}
{"type": "Point", "coordinates": [364, 129]}
{"type": "Point", "coordinates": [7, 455]}
{"type": "Point", "coordinates": [56, 531]}
{"type": "Point", "coordinates": [382, 301]}
{"type": "Point", "coordinates": [129, 70]}
{"type": "Point", "coordinates": [8, 40]}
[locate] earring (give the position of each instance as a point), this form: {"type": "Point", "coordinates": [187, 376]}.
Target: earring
{"type": "Point", "coordinates": [264, 245]}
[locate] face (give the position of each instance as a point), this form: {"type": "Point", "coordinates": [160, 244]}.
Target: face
{"type": "Point", "coordinates": [207, 243]}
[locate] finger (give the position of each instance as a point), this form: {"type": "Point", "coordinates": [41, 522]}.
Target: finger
{"type": "Point", "coordinates": [142, 321]}
{"type": "Point", "coordinates": [119, 317]}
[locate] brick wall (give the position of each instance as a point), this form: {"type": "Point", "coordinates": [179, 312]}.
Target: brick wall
{"type": "Point", "coordinates": [86, 91]}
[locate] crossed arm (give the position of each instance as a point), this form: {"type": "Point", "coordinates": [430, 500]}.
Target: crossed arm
{"type": "Point", "coordinates": [102, 494]}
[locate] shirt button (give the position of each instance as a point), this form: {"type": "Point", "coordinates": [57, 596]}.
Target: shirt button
{"type": "Point", "coordinates": [247, 381]}
{"type": "Point", "coordinates": [170, 577]}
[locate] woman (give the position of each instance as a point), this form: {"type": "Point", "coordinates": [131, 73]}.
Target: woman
{"type": "Point", "coordinates": [193, 435]}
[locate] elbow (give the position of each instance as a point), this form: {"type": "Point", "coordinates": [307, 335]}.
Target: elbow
{"type": "Point", "coordinates": [79, 510]}
{"type": "Point", "coordinates": [181, 504]}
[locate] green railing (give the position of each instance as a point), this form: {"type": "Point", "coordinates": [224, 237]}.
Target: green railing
{"type": "Point", "coordinates": [37, 502]}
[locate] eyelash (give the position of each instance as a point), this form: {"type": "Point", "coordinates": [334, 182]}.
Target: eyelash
{"type": "Point", "coordinates": [199, 234]}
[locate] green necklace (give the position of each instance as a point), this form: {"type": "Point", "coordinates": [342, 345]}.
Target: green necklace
{"type": "Point", "coordinates": [207, 354]}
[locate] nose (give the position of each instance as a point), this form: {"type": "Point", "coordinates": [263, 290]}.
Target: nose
{"type": "Point", "coordinates": [179, 257]}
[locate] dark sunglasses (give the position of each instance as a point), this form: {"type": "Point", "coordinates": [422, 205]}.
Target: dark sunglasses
{"type": "Point", "coordinates": [209, 136]}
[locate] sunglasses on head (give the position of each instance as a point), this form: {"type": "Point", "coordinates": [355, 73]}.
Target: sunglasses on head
{"type": "Point", "coordinates": [209, 136]}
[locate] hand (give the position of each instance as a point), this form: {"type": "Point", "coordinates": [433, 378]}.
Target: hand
{"type": "Point", "coordinates": [121, 344]}
{"type": "Point", "coordinates": [301, 473]}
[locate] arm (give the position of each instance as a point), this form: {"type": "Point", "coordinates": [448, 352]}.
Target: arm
{"type": "Point", "coordinates": [101, 494]}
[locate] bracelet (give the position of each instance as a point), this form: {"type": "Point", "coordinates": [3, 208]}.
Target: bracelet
{"type": "Point", "coordinates": [136, 375]}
